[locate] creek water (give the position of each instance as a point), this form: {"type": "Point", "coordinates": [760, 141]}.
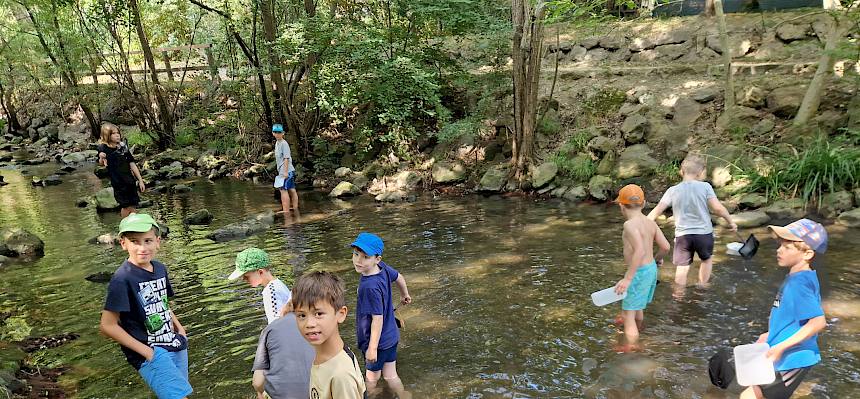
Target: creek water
{"type": "Point", "coordinates": [500, 286]}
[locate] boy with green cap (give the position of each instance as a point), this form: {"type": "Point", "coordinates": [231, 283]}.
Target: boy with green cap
{"type": "Point", "coordinates": [252, 265]}
{"type": "Point", "coordinates": [138, 316]}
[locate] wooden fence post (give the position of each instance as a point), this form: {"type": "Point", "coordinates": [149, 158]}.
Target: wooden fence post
{"type": "Point", "coordinates": [213, 65]}
{"type": "Point", "coordinates": [166, 57]}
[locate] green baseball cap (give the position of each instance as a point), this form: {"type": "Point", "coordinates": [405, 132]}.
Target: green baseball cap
{"type": "Point", "coordinates": [138, 223]}
{"type": "Point", "coordinates": [249, 260]}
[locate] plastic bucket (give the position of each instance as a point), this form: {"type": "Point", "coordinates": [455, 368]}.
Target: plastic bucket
{"type": "Point", "coordinates": [732, 248]}
{"type": "Point", "coordinates": [752, 366]}
{"type": "Point", "coordinates": [607, 296]}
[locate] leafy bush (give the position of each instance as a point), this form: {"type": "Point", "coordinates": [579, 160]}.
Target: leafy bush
{"type": "Point", "coordinates": [580, 167]}
{"type": "Point", "coordinates": [576, 142]}
{"type": "Point", "coordinates": [15, 329]}
{"type": "Point", "coordinates": [453, 131]}
{"type": "Point", "coordinates": [827, 165]}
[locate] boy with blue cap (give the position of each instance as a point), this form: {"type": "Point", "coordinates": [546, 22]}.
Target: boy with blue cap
{"type": "Point", "coordinates": [138, 316]}
{"type": "Point", "coordinates": [286, 181]}
{"type": "Point", "coordinates": [796, 317]}
{"type": "Point", "coordinates": [375, 325]}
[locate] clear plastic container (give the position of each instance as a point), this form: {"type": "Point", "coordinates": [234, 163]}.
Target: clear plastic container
{"type": "Point", "coordinates": [752, 366]}
{"type": "Point", "coordinates": [607, 296]}
{"type": "Point", "coordinates": [732, 248]}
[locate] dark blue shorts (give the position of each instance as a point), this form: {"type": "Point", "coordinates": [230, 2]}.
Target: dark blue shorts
{"type": "Point", "coordinates": [382, 356]}
{"type": "Point", "coordinates": [290, 181]}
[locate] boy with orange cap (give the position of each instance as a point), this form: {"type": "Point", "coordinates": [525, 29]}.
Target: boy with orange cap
{"type": "Point", "coordinates": [639, 236]}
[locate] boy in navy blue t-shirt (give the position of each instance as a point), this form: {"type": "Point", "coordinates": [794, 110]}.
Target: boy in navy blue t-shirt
{"type": "Point", "coordinates": [137, 313]}
{"type": "Point", "coordinates": [796, 317]}
{"type": "Point", "coordinates": [375, 326]}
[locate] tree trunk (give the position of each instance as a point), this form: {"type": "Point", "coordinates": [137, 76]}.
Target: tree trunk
{"type": "Point", "coordinates": [526, 51]}
{"type": "Point", "coordinates": [165, 136]}
{"type": "Point", "coordinates": [812, 98]}
{"type": "Point", "coordinates": [9, 109]}
{"type": "Point", "coordinates": [729, 96]}
{"type": "Point", "coordinates": [279, 92]}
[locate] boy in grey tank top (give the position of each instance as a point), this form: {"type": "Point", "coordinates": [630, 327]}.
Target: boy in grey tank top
{"type": "Point", "coordinates": [691, 201]}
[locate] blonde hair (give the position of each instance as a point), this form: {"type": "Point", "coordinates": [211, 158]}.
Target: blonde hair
{"type": "Point", "coordinates": [693, 164]}
{"type": "Point", "coordinates": [106, 130]}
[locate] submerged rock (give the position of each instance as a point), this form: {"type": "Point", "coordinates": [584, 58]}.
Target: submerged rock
{"type": "Point", "coordinates": [792, 209]}
{"type": "Point", "coordinates": [245, 228]}
{"type": "Point", "coordinates": [202, 216]}
{"type": "Point", "coordinates": [106, 239]}
{"type": "Point", "coordinates": [835, 203]}
{"type": "Point", "coordinates": [18, 241]}
{"type": "Point", "coordinates": [600, 187]}
{"type": "Point", "coordinates": [99, 277]}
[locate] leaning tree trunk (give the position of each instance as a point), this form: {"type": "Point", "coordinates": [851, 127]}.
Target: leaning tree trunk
{"type": "Point", "coordinates": [526, 53]}
{"type": "Point", "coordinates": [279, 92]}
{"type": "Point", "coordinates": [729, 86]}
{"type": "Point", "coordinates": [165, 114]}
{"type": "Point", "coordinates": [812, 98]}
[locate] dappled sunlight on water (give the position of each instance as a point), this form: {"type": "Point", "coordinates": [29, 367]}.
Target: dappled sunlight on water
{"type": "Point", "coordinates": [500, 287]}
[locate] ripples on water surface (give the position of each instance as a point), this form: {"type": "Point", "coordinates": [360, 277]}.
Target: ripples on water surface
{"type": "Point", "coordinates": [501, 290]}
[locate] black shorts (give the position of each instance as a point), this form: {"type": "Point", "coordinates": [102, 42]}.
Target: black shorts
{"type": "Point", "coordinates": [786, 383]}
{"type": "Point", "coordinates": [686, 245]}
{"type": "Point", "coordinates": [126, 195]}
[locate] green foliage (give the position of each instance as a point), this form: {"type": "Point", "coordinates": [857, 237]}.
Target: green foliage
{"type": "Point", "coordinates": [669, 170]}
{"type": "Point", "coordinates": [15, 328]}
{"type": "Point", "coordinates": [576, 142]}
{"type": "Point", "coordinates": [579, 167]}
{"type": "Point", "coordinates": [140, 139]}
{"type": "Point", "coordinates": [826, 165]}
{"type": "Point", "coordinates": [549, 125]}
{"type": "Point", "coordinates": [453, 131]}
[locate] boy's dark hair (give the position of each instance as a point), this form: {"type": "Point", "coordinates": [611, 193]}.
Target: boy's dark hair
{"type": "Point", "coordinates": [316, 287]}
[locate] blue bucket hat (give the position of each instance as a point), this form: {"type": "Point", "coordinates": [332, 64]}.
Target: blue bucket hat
{"type": "Point", "coordinates": [277, 128]}
{"type": "Point", "coordinates": [369, 243]}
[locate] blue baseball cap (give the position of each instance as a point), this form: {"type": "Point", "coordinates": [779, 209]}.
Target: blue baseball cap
{"type": "Point", "coordinates": [277, 128]}
{"type": "Point", "coordinates": [808, 231]}
{"type": "Point", "coordinates": [369, 243]}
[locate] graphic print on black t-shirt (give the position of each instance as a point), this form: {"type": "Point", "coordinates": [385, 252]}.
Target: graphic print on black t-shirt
{"type": "Point", "coordinates": [153, 298]}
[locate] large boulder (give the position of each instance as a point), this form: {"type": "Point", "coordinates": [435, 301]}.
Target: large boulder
{"type": "Point", "coordinates": [253, 225]}
{"type": "Point", "coordinates": [741, 118]}
{"type": "Point", "coordinates": [543, 174]}
{"type": "Point", "coordinates": [342, 172]}
{"type": "Point", "coordinates": [494, 179]}
{"type": "Point", "coordinates": [720, 164]}
{"type": "Point", "coordinates": [635, 127]}
{"type": "Point", "coordinates": [577, 193]}
{"type": "Point", "coordinates": [20, 242]}
{"type": "Point", "coordinates": [600, 187]}
{"type": "Point", "coordinates": [850, 218]}
{"type": "Point", "coordinates": [752, 201]}
{"type": "Point", "coordinates": [344, 189]}
{"type": "Point", "coordinates": [685, 111]}
{"type": "Point", "coordinates": [104, 199]}
{"type": "Point", "coordinates": [202, 216]}
{"type": "Point", "coordinates": [706, 94]}
{"type": "Point", "coordinates": [833, 204]}
{"type": "Point", "coordinates": [209, 161]}
{"type": "Point", "coordinates": [604, 145]}
{"type": "Point", "coordinates": [672, 51]}
{"type": "Point", "coordinates": [786, 210]}
{"type": "Point", "coordinates": [785, 101]}
{"type": "Point", "coordinates": [791, 32]}
{"type": "Point", "coordinates": [444, 172]}
{"type": "Point", "coordinates": [407, 180]}
{"type": "Point", "coordinates": [748, 219]}
{"type": "Point", "coordinates": [635, 161]}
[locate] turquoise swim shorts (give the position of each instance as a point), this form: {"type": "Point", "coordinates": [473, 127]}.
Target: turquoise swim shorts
{"type": "Point", "coordinates": [641, 289]}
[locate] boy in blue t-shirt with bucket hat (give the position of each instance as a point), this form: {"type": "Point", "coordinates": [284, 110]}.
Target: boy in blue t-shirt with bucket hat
{"type": "Point", "coordinates": [375, 325]}
{"type": "Point", "coordinates": [796, 317]}
{"type": "Point", "coordinates": [286, 180]}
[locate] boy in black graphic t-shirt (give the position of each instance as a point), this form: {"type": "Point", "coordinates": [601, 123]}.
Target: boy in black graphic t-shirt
{"type": "Point", "coordinates": [137, 313]}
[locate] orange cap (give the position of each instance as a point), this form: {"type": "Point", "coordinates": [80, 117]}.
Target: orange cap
{"type": "Point", "coordinates": [631, 194]}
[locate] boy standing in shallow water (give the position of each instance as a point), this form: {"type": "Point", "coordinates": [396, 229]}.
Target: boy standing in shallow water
{"type": "Point", "coordinates": [796, 317]}
{"type": "Point", "coordinates": [319, 304]}
{"type": "Point", "coordinates": [137, 314]}
{"type": "Point", "coordinates": [375, 325]}
{"type": "Point", "coordinates": [639, 236]}
{"type": "Point", "coordinates": [286, 170]}
{"type": "Point", "coordinates": [694, 230]}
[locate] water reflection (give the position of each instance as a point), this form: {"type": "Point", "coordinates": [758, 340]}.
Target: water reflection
{"type": "Point", "coordinates": [500, 286]}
